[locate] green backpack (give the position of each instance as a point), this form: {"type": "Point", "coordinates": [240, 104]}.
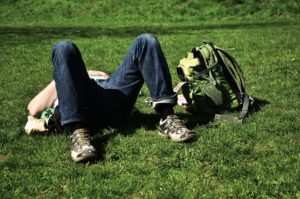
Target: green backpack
{"type": "Point", "coordinates": [213, 83]}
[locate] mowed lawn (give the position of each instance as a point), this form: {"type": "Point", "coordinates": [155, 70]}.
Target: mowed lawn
{"type": "Point", "coordinates": [260, 158]}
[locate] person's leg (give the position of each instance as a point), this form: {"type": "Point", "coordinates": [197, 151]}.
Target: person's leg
{"type": "Point", "coordinates": [71, 80]}
{"type": "Point", "coordinates": [145, 61]}
{"type": "Point", "coordinates": [72, 84]}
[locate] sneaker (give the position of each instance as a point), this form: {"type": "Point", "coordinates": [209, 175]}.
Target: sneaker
{"type": "Point", "coordinates": [81, 149]}
{"type": "Point", "coordinates": [35, 125]}
{"type": "Point", "coordinates": [173, 128]}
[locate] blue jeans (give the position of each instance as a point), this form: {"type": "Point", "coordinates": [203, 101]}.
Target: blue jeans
{"type": "Point", "coordinates": [82, 99]}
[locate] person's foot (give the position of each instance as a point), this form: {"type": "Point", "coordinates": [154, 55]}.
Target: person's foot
{"type": "Point", "coordinates": [81, 149]}
{"type": "Point", "coordinates": [35, 125]}
{"type": "Point", "coordinates": [173, 128]}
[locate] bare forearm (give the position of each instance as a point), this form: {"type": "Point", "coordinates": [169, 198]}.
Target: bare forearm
{"type": "Point", "coordinates": [48, 95]}
{"type": "Point", "coordinates": [43, 100]}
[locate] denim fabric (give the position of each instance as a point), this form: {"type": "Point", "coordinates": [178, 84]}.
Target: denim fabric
{"type": "Point", "coordinates": [110, 101]}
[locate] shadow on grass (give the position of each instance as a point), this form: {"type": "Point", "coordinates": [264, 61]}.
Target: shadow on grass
{"type": "Point", "coordinates": [150, 122]}
{"type": "Point", "coordinates": [44, 32]}
{"type": "Point", "coordinates": [257, 105]}
{"type": "Point", "coordinates": [146, 121]}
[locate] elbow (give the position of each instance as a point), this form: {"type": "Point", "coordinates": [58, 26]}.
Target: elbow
{"type": "Point", "coordinates": [32, 110]}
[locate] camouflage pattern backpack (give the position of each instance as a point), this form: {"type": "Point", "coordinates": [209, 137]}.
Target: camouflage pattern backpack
{"type": "Point", "coordinates": [213, 83]}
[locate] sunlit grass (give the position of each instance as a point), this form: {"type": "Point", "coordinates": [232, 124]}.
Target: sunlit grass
{"type": "Point", "coordinates": [257, 159]}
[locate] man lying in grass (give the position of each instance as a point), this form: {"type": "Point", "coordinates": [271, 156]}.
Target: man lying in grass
{"type": "Point", "coordinates": [45, 106]}
{"type": "Point", "coordinates": [85, 103]}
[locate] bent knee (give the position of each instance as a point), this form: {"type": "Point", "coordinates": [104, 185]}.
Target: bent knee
{"type": "Point", "coordinates": [63, 46]}
{"type": "Point", "coordinates": [149, 38]}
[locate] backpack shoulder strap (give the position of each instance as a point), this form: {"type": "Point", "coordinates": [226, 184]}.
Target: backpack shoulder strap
{"type": "Point", "coordinates": [235, 65]}
{"type": "Point", "coordinates": [179, 86]}
{"type": "Point", "coordinates": [247, 103]}
{"type": "Point", "coordinates": [239, 88]}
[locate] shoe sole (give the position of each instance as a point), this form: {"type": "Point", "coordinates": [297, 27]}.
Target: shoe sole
{"type": "Point", "coordinates": [188, 138]}
{"type": "Point", "coordinates": [86, 158]}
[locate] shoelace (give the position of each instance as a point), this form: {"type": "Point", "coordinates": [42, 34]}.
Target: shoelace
{"type": "Point", "coordinates": [175, 122]}
{"type": "Point", "coordinates": [80, 139]}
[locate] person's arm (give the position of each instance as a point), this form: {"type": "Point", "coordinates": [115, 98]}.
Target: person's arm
{"type": "Point", "coordinates": [48, 95]}
{"type": "Point", "coordinates": [43, 100]}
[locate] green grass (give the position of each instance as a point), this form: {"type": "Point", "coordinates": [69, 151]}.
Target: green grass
{"type": "Point", "coordinates": [111, 12]}
{"type": "Point", "coordinates": [260, 158]}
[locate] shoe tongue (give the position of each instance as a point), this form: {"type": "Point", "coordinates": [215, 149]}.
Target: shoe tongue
{"type": "Point", "coordinates": [172, 117]}
{"type": "Point", "coordinates": [80, 130]}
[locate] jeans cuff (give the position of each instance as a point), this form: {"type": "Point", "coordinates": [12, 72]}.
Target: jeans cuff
{"type": "Point", "coordinates": [63, 122]}
{"type": "Point", "coordinates": [172, 100]}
